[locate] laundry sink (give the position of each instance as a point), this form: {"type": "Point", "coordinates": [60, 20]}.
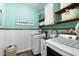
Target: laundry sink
{"type": "Point", "coordinates": [67, 42]}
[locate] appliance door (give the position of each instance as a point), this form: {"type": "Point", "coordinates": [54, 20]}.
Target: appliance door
{"type": "Point", "coordinates": [43, 47]}
{"type": "Point", "coordinates": [51, 52]}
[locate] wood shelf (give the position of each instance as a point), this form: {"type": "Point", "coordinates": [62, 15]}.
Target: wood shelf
{"type": "Point", "coordinates": [63, 24]}
{"type": "Point", "coordinates": [70, 20]}
{"type": "Point", "coordinates": [71, 6]}
{"type": "Point", "coordinates": [42, 20]}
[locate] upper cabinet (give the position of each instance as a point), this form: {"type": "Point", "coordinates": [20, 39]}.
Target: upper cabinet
{"type": "Point", "coordinates": [49, 14]}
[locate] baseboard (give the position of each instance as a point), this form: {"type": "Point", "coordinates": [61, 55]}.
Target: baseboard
{"type": "Point", "coordinates": [37, 54]}
{"type": "Point", "coordinates": [23, 52]}
{"type": "Point", "coordinates": [28, 51]}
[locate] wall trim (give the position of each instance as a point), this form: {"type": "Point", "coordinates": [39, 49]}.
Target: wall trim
{"type": "Point", "coordinates": [23, 52]}
{"type": "Point", "coordinates": [16, 29]}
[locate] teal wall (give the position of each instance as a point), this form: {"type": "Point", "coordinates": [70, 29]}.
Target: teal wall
{"type": "Point", "coordinates": [15, 11]}
{"type": "Point", "coordinates": [57, 17]}
{"type": "Point", "coordinates": [57, 6]}
{"type": "Point", "coordinates": [2, 17]}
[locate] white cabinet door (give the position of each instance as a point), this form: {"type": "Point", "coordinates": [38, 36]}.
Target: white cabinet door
{"type": "Point", "coordinates": [49, 14]}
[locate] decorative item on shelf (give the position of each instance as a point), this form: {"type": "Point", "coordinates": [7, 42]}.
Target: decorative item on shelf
{"type": "Point", "coordinates": [65, 15]}
{"type": "Point", "coordinates": [70, 14]}
{"type": "Point", "coordinates": [71, 31]}
{"type": "Point", "coordinates": [53, 33]}
{"type": "Point", "coordinates": [67, 10]}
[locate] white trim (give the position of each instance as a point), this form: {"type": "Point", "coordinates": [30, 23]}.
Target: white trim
{"type": "Point", "coordinates": [22, 50]}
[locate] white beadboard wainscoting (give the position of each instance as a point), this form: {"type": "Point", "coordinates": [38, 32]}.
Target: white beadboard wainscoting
{"type": "Point", "coordinates": [20, 38]}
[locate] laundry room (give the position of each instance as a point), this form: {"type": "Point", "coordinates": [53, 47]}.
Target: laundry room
{"type": "Point", "coordinates": [39, 29]}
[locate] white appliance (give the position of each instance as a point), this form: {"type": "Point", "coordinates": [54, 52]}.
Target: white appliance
{"type": "Point", "coordinates": [66, 45]}
{"type": "Point", "coordinates": [36, 44]}
{"type": "Point", "coordinates": [43, 47]}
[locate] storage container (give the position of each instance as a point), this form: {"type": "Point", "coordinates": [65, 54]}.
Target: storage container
{"type": "Point", "coordinates": [10, 51]}
{"type": "Point", "coordinates": [71, 14]}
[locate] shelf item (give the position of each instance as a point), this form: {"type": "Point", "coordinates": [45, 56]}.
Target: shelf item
{"type": "Point", "coordinates": [41, 26]}
{"type": "Point", "coordinates": [41, 23]}
{"type": "Point", "coordinates": [54, 34]}
{"type": "Point", "coordinates": [71, 14]}
{"type": "Point", "coordinates": [71, 6]}
{"type": "Point", "coordinates": [71, 31]}
{"type": "Point", "coordinates": [42, 20]}
{"type": "Point", "coordinates": [69, 24]}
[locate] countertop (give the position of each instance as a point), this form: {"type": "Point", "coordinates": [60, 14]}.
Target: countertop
{"type": "Point", "coordinates": [62, 47]}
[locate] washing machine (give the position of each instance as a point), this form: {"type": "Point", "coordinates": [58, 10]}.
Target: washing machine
{"type": "Point", "coordinates": [36, 43]}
